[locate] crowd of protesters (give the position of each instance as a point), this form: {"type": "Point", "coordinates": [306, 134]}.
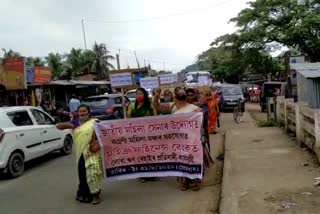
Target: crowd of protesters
{"type": "Point", "coordinates": [180, 100]}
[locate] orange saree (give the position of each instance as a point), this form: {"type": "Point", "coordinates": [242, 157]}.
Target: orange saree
{"type": "Point", "coordinates": [213, 112]}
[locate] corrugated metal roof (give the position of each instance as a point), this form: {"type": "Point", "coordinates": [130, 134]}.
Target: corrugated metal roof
{"type": "Point", "coordinates": [305, 66]}
{"type": "Point", "coordinates": [88, 82]}
{"type": "Point", "coordinates": [310, 74]}
{"type": "Point", "coordinates": [60, 82]}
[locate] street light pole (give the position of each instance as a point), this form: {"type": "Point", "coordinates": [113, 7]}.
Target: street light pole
{"type": "Point", "coordinates": [84, 34]}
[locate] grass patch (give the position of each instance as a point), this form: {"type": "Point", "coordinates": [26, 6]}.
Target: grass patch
{"type": "Point", "coordinates": [267, 123]}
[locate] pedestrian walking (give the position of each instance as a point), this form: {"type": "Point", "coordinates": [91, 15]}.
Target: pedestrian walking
{"type": "Point", "coordinates": [191, 96]}
{"type": "Point", "coordinates": [203, 104]}
{"type": "Point", "coordinates": [213, 111]}
{"type": "Point", "coordinates": [168, 99]}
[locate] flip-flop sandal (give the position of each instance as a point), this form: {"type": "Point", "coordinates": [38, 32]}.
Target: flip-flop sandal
{"type": "Point", "coordinates": [143, 180]}
{"type": "Point", "coordinates": [183, 187]}
{"type": "Point", "coordinates": [196, 188]}
{"type": "Point", "coordinates": [85, 200]}
{"type": "Point", "coordinates": [96, 201]}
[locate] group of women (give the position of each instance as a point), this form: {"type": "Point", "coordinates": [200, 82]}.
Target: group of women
{"type": "Point", "coordinates": [87, 148]}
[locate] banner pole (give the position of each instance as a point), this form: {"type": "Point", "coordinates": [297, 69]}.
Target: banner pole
{"type": "Point", "coordinates": [122, 90]}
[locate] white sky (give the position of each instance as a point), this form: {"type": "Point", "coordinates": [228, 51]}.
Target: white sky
{"type": "Point", "coordinates": [36, 27]}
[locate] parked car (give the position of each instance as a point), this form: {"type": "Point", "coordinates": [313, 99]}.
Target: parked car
{"type": "Point", "coordinates": [106, 107]}
{"type": "Point", "coordinates": [132, 94]}
{"type": "Point", "coordinates": [27, 133]}
{"type": "Point", "coordinates": [231, 94]}
{"type": "Point", "coordinates": [269, 89]}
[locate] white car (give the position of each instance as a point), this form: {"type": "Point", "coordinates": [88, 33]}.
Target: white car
{"type": "Point", "coordinates": [132, 94]}
{"type": "Point", "coordinates": [27, 133]}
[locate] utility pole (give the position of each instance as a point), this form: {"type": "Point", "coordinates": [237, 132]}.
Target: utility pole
{"type": "Point", "coordinates": [128, 66]}
{"type": "Point", "coordinates": [84, 34]}
{"type": "Point", "coordinates": [118, 61]}
{"type": "Point", "coordinates": [164, 66]}
{"type": "Point", "coordinates": [122, 90]}
{"type": "Point", "coordinates": [137, 59]}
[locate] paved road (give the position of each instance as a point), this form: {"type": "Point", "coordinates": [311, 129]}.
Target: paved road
{"type": "Point", "coordinates": [49, 185]}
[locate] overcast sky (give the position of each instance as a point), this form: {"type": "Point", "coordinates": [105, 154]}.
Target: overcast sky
{"type": "Point", "coordinates": [172, 31]}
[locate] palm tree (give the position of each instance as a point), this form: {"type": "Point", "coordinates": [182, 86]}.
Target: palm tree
{"type": "Point", "coordinates": [35, 61]}
{"type": "Point", "coordinates": [100, 60]}
{"type": "Point", "coordinates": [74, 63]}
{"type": "Point", "coordinates": [55, 63]}
{"type": "Point", "coordinates": [10, 53]}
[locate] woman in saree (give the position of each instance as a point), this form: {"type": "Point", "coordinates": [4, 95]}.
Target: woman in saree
{"type": "Point", "coordinates": [87, 155]}
{"type": "Point", "coordinates": [213, 111]}
{"type": "Point", "coordinates": [141, 108]}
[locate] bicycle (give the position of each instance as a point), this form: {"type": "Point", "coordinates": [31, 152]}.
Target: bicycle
{"type": "Point", "coordinates": [238, 113]}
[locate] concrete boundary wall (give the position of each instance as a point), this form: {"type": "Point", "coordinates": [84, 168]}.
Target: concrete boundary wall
{"type": "Point", "coordinates": [301, 120]}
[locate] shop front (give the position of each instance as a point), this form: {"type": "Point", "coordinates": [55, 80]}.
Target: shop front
{"type": "Point", "coordinates": [13, 81]}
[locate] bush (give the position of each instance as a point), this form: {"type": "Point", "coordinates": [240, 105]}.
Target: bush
{"type": "Point", "coordinates": [267, 123]}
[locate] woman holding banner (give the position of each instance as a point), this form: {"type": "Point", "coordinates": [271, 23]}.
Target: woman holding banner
{"type": "Point", "coordinates": [87, 155]}
{"type": "Point", "coordinates": [179, 106]}
{"type": "Point", "coordinates": [141, 108]}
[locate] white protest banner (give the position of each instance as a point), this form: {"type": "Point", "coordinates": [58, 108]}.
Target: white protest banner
{"type": "Point", "coordinates": [149, 82]}
{"type": "Point", "coordinates": [166, 79]}
{"type": "Point", "coordinates": [121, 79]}
{"type": "Point", "coordinates": [157, 146]}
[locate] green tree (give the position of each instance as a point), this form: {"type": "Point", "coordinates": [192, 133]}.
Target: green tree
{"type": "Point", "coordinates": [73, 64]}
{"type": "Point", "coordinates": [35, 61]}
{"type": "Point", "coordinates": [10, 53]}
{"type": "Point", "coordinates": [228, 58]}
{"type": "Point", "coordinates": [291, 23]}
{"type": "Point", "coordinates": [55, 63]}
{"type": "Point", "coordinates": [98, 60]}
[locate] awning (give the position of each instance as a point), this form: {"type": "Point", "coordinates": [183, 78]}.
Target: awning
{"type": "Point", "coordinates": [89, 82]}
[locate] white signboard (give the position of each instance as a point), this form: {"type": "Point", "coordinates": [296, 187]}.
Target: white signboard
{"type": "Point", "coordinates": [203, 81]}
{"type": "Point", "coordinates": [216, 84]}
{"type": "Point", "coordinates": [168, 78]}
{"type": "Point", "coordinates": [149, 82]}
{"type": "Point", "coordinates": [297, 59]}
{"type": "Point", "coordinates": [189, 78]}
{"type": "Point", "coordinates": [175, 77]}
{"type": "Point", "coordinates": [121, 79]}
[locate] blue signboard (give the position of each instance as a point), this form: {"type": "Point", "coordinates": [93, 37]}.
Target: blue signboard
{"type": "Point", "coordinates": [137, 77]}
{"type": "Point", "coordinates": [30, 74]}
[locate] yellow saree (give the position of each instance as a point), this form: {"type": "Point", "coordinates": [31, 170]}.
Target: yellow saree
{"type": "Point", "coordinates": [93, 163]}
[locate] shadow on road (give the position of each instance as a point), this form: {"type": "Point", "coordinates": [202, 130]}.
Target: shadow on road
{"type": "Point", "coordinates": [35, 163]}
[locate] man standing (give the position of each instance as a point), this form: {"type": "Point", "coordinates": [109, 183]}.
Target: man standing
{"type": "Point", "coordinates": [73, 104]}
